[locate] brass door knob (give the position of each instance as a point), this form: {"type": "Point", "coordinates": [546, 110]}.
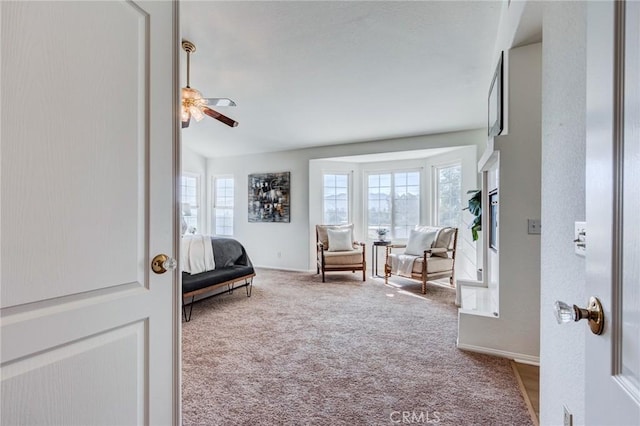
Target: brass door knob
{"type": "Point", "coordinates": [163, 263]}
{"type": "Point", "coordinates": [592, 313]}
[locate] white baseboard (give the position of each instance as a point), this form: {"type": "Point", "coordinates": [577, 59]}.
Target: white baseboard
{"type": "Point", "coordinates": [470, 283]}
{"type": "Point", "coordinates": [517, 357]}
{"type": "Point", "coordinates": [276, 268]}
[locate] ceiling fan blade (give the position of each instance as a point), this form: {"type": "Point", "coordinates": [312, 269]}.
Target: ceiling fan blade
{"type": "Point", "coordinates": [223, 118]}
{"type": "Point", "coordinates": [219, 102]}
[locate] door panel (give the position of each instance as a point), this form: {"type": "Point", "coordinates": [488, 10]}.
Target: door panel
{"type": "Point", "coordinates": [77, 177]}
{"type": "Point", "coordinates": [611, 188]}
{"type": "Point", "coordinates": [88, 178]}
{"type": "Point", "coordinates": [105, 368]}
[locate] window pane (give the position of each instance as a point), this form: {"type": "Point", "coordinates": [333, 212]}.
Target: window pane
{"type": "Point", "coordinates": [189, 197]}
{"type": "Point", "coordinates": [413, 179]}
{"type": "Point", "coordinates": [393, 203]}
{"type": "Point", "coordinates": [449, 193]}
{"type": "Point", "coordinates": [224, 222]}
{"type": "Point", "coordinates": [335, 199]}
{"type": "Point", "coordinates": [379, 203]}
{"type": "Point", "coordinates": [223, 206]}
{"type": "Point", "coordinates": [406, 203]}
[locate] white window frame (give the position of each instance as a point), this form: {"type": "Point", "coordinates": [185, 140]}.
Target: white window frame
{"type": "Point", "coordinates": [349, 176]}
{"type": "Point", "coordinates": [198, 205]}
{"type": "Point", "coordinates": [215, 207]}
{"type": "Point", "coordinates": [436, 188]}
{"type": "Point", "coordinates": [392, 172]}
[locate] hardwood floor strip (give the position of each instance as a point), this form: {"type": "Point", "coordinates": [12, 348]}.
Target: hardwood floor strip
{"type": "Point", "coordinates": [528, 379]}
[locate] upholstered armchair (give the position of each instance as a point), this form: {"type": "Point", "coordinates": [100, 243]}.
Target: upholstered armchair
{"type": "Point", "coordinates": [336, 250]}
{"type": "Point", "coordinates": [430, 253]}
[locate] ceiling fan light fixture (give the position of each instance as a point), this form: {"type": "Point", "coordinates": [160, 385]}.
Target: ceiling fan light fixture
{"type": "Point", "coordinates": [196, 113]}
{"type": "Point", "coordinates": [192, 104]}
{"type": "Point", "coordinates": [193, 94]}
{"type": "Point", "coordinates": [185, 116]}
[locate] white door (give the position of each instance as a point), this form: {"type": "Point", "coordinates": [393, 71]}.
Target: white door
{"type": "Point", "coordinates": [613, 204]}
{"type": "Point", "coordinates": [88, 96]}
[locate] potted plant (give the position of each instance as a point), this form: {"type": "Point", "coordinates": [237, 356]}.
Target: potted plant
{"type": "Point", "coordinates": [382, 233]}
{"type": "Point", "coordinates": [475, 208]}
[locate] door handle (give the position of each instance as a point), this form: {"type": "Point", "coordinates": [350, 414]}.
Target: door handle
{"type": "Point", "coordinates": [592, 313]}
{"type": "Point", "coordinates": [163, 263]}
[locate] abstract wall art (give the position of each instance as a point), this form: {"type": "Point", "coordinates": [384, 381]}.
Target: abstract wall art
{"type": "Point", "coordinates": [269, 197]}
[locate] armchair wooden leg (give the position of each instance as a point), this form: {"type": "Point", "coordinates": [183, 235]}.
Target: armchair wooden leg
{"type": "Point", "coordinates": [364, 273]}
{"type": "Point", "coordinates": [386, 273]}
{"type": "Point", "coordinates": [424, 285]}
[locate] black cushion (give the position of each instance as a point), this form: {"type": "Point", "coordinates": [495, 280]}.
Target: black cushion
{"type": "Point", "coordinates": [232, 262]}
{"type": "Point", "coordinates": [209, 278]}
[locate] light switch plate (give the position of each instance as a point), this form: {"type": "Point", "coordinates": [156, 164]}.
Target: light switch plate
{"type": "Point", "coordinates": [534, 226]}
{"type": "Point", "coordinates": [580, 238]}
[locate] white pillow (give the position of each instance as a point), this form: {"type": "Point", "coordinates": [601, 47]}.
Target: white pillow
{"type": "Point", "coordinates": [419, 242]}
{"type": "Point", "coordinates": [340, 239]}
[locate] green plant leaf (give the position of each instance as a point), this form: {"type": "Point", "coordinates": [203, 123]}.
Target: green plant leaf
{"type": "Point", "coordinates": [475, 208]}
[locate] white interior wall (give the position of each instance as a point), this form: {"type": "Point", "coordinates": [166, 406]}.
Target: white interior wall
{"type": "Point", "coordinates": [519, 197]}
{"type": "Point", "coordinates": [563, 202]}
{"type": "Point", "coordinates": [515, 333]}
{"type": "Point", "coordinates": [287, 245]}
{"type": "Point", "coordinates": [277, 245]}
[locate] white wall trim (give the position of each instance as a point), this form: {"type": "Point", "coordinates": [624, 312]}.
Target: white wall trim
{"type": "Point", "coordinates": [517, 357]}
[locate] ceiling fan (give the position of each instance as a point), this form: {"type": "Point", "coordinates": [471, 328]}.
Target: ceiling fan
{"type": "Point", "coordinates": [194, 105]}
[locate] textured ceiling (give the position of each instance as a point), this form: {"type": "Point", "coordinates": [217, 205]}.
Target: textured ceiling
{"type": "Point", "coordinates": [321, 73]}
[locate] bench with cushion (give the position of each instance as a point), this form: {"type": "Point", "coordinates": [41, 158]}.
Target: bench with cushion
{"type": "Point", "coordinates": [232, 266]}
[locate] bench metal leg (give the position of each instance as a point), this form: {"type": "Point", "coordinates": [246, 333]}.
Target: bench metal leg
{"type": "Point", "coordinates": [184, 309]}
{"type": "Point", "coordinates": [231, 285]}
{"type": "Point", "coordinates": [249, 286]}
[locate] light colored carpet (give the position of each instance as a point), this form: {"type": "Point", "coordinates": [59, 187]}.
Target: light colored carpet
{"type": "Point", "coordinates": [344, 352]}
